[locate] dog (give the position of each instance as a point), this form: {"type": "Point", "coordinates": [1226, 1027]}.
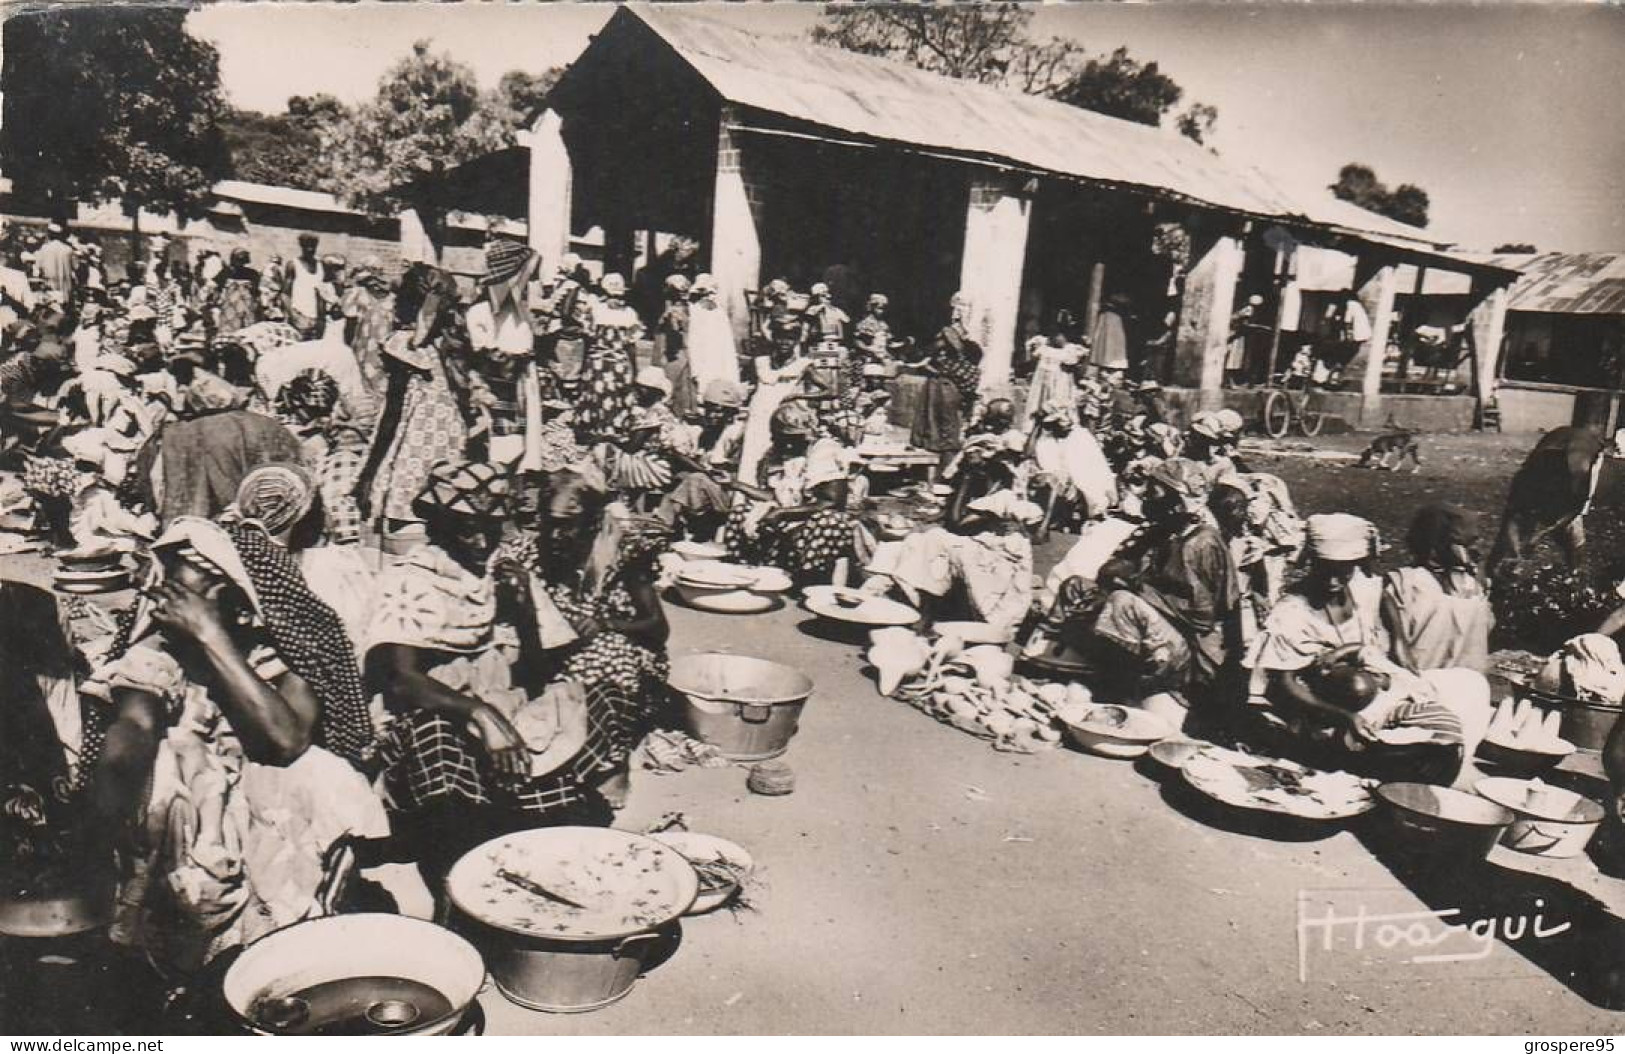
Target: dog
{"type": "Point", "coordinates": [1390, 450]}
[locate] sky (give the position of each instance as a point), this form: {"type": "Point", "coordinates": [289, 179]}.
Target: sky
{"type": "Point", "coordinates": [1506, 114]}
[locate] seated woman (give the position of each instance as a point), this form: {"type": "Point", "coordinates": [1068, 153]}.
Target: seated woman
{"type": "Point", "coordinates": [1436, 610]}
{"type": "Point", "coordinates": [982, 553]}
{"type": "Point", "coordinates": [1322, 665]}
{"type": "Point", "coordinates": [1070, 469]}
{"type": "Point", "coordinates": [44, 845]}
{"type": "Point", "coordinates": [221, 760]}
{"type": "Point", "coordinates": [284, 501]}
{"type": "Point", "coordinates": [593, 613]}
{"type": "Point", "coordinates": [467, 754]}
{"type": "Point", "coordinates": [641, 462]}
{"type": "Point", "coordinates": [1160, 622]}
{"type": "Point", "coordinates": [798, 521]}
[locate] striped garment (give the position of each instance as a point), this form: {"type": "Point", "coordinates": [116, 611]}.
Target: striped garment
{"type": "Point", "coordinates": [1431, 715]}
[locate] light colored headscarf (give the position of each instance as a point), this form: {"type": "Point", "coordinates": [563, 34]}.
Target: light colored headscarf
{"type": "Point", "coordinates": [274, 496]}
{"type": "Point", "coordinates": [1340, 536]}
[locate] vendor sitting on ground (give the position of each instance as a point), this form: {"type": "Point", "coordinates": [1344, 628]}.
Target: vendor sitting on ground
{"type": "Point", "coordinates": [1212, 440]}
{"type": "Point", "coordinates": [641, 462]}
{"type": "Point", "coordinates": [979, 564]}
{"type": "Point", "coordinates": [1160, 621]}
{"type": "Point", "coordinates": [1435, 608]}
{"type": "Point", "coordinates": [221, 757]}
{"type": "Point", "coordinates": [799, 522]}
{"type": "Point", "coordinates": [468, 754]}
{"type": "Point", "coordinates": [1322, 665]}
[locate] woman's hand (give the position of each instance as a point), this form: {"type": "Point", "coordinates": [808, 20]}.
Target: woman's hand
{"type": "Point", "coordinates": [502, 741]}
{"type": "Point", "coordinates": [189, 613]}
{"type": "Point", "coordinates": [1362, 729]}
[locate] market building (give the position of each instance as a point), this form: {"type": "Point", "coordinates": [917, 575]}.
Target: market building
{"type": "Point", "coordinates": [785, 159]}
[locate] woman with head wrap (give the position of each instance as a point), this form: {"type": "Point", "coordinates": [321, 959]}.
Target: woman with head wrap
{"type": "Point", "coordinates": [422, 422]}
{"type": "Point", "coordinates": [640, 463]}
{"type": "Point", "coordinates": [232, 714]}
{"type": "Point", "coordinates": [1322, 663]}
{"type": "Point", "coordinates": [507, 391]}
{"type": "Point", "coordinates": [712, 355]}
{"type": "Point", "coordinates": [369, 314]}
{"type": "Point", "coordinates": [605, 400]}
{"type": "Point", "coordinates": [671, 340]}
{"type": "Point", "coordinates": [782, 380]}
{"type": "Point", "coordinates": [335, 452]}
{"type": "Point", "coordinates": [468, 754]}
{"type": "Point", "coordinates": [592, 615]}
{"type": "Point", "coordinates": [283, 500]}
{"type": "Point", "coordinates": [798, 520]}
{"type": "Point", "coordinates": [1161, 617]}
{"type": "Point", "coordinates": [238, 287]}
{"type": "Point", "coordinates": [872, 335]}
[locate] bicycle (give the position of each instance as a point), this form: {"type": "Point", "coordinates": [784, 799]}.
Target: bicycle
{"type": "Point", "coordinates": [1296, 401]}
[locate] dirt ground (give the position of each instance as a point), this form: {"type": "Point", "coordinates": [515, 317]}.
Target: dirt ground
{"type": "Point", "coordinates": [917, 881]}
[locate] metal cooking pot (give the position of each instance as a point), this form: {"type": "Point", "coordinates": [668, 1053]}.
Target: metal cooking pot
{"type": "Point", "coordinates": [366, 945]}
{"type": "Point", "coordinates": [747, 708]}
{"type": "Point", "coordinates": [575, 965]}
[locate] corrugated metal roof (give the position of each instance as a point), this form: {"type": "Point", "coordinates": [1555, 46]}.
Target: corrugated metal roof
{"type": "Point", "coordinates": [1567, 283]}
{"type": "Point", "coordinates": [885, 100]}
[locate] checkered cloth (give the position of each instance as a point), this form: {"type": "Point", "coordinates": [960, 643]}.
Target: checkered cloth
{"type": "Point", "coordinates": [504, 259]}
{"type": "Point", "coordinates": [469, 488]}
{"type": "Point", "coordinates": [427, 758]}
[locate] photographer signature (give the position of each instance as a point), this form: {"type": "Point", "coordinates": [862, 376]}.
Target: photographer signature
{"type": "Point", "coordinates": [1426, 934]}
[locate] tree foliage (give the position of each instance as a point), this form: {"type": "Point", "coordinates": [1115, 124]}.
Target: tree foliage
{"type": "Point", "coordinates": [112, 104]}
{"type": "Point", "coordinates": [283, 149]}
{"type": "Point", "coordinates": [518, 98]}
{"type": "Point", "coordinates": [427, 116]}
{"type": "Point", "coordinates": [1359, 185]}
{"type": "Point", "coordinates": [990, 43]}
{"type": "Point", "coordinates": [1523, 248]}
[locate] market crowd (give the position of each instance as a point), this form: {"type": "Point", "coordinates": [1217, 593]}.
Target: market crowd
{"type": "Point", "coordinates": [395, 551]}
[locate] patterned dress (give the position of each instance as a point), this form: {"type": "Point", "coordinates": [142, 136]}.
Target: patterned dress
{"type": "Point", "coordinates": [239, 303]}
{"type": "Point", "coordinates": [807, 549]}
{"type": "Point", "coordinates": [606, 399]}
{"type": "Point", "coordinates": [430, 602]}
{"type": "Point", "coordinates": [622, 677]}
{"type": "Point", "coordinates": [949, 392]}
{"type": "Point", "coordinates": [374, 317]}
{"type": "Point", "coordinates": [431, 429]}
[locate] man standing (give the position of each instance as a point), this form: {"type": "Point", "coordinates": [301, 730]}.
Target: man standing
{"type": "Point", "coordinates": [55, 262]}
{"type": "Point", "coordinates": [302, 289]}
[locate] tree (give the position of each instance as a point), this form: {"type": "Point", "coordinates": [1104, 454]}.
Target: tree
{"type": "Point", "coordinates": [518, 97]}
{"type": "Point", "coordinates": [1359, 185]}
{"type": "Point", "coordinates": [427, 116]}
{"type": "Point", "coordinates": [111, 104]}
{"type": "Point", "coordinates": [1515, 248]}
{"type": "Point", "coordinates": [1197, 121]}
{"type": "Point", "coordinates": [968, 41]}
{"type": "Point", "coordinates": [1409, 204]}
{"type": "Point", "coordinates": [274, 148]}
{"type": "Point", "coordinates": [1120, 86]}
{"type": "Point", "coordinates": [989, 43]}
